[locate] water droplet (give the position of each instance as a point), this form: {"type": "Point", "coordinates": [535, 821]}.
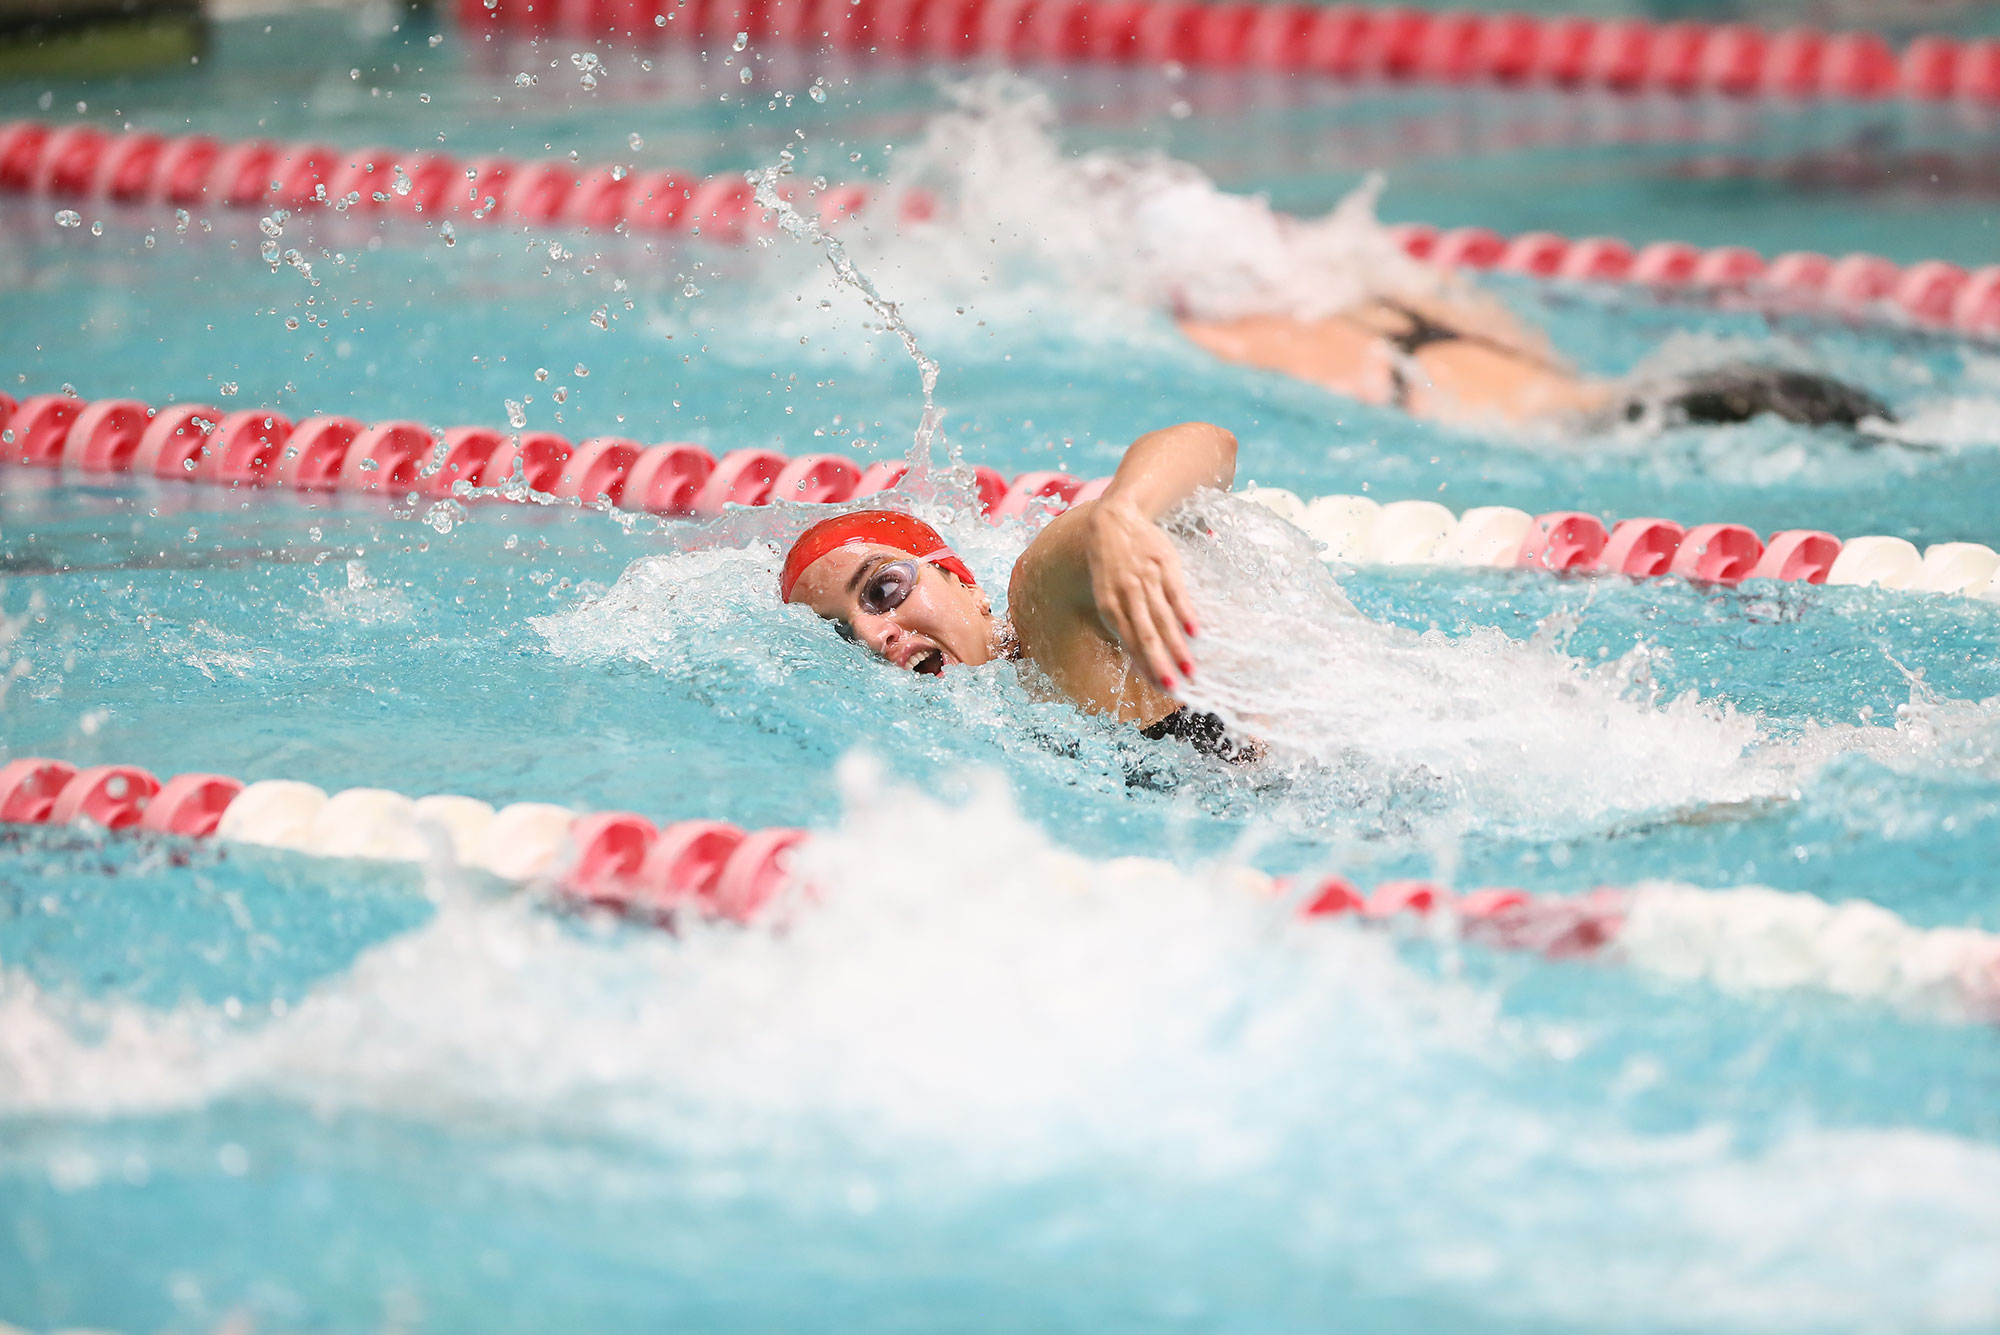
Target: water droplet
{"type": "Point", "coordinates": [291, 322]}
{"type": "Point", "coordinates": [690, 290]}
{"type": "Point", "coordinates": [524, 80]}
{"type": "Point", "coordinates": [423, 97]}
{"type": "Point", "coordinates": [403, 181]}
{"type": "Point", "coordinates": [560, 394]}
{"type": "Point", "coordinates": [659, 20]}
{"type": "Point", "coordinates": [151, 240]}
{"type": "Point", "coordinates": [97, 229]}
{"type": "Point", "coordinates": [270, 226]}
{"type": "Point", "coordinates": [269, 250]}
{"type": "Point", "coordinates": [746, 76]}
{"type": "Point", "coordinates": [634, 142]}
{"type": "Point", "coordinates": [620, 172]}
{"type": "Point", "coordinates": [69, 218]}
{"type": "Point", "coordinates": [582, 370]}
{"type": "Point", "coordinates": [517, 416]}
{"type": "Point", "coordinates": [450, 237]}
{"type": "Point", "coordinates": [541, 373]}
{"type": "Point", "coordinates": [742, 40]}
{"type": "Point", "coordinates": [437, 38]}
{"type": "Point", "coordinates": [825, 305]}
{"type": "Point", "coordinates": [816, 93]}
{"type": "Point", "coordinates": [601, 317]}
{"type": "Point", "coordinates": [588, 81]}
{"type": "Point", "coordinates": [227, 389]}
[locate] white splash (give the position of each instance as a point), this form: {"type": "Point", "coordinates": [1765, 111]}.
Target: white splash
{"type": "Point", "coordinates": [1147, 228]}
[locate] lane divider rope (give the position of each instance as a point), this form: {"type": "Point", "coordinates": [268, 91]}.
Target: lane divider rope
{"type": "Point", "coordinates": [616, 858]}
{"type": "Point", "coordinates": [86, 163]}
{"type": "Point", "coordinates": [1341, 41]}
{"type": "Point", "coordinates": [262, 447]}
{"type": "Point", "coordinates": [1358, 530]}
{"type": "Point", "coordinates": [1749, 938]}
{"type": "Point", "coordinates": [83, 162]}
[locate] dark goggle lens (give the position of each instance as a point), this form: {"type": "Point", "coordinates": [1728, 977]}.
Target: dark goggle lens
{"type": "Point", "coordinates": [888, 587]}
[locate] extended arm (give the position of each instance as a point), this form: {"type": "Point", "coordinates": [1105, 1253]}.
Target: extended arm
{"type": "Point", "coordinates": [1110, 558]}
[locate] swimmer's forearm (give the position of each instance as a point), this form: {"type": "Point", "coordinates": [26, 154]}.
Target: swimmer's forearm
{"type": "Point", "coordinates": [1163, 468]}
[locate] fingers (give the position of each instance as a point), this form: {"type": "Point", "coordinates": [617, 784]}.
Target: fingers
{"type": "Point", "coordinates": [1177, 598]}
{"type": "Point", "coordinates": [1168, 627]}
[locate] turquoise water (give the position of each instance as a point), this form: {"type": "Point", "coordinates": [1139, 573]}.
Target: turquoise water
{"type": "Point", "coordinates": [995, 1078]}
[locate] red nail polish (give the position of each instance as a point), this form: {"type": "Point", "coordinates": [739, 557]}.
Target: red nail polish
{"type": "Point", "coordinates": [1166, 681]}
{"type": "Point", "coordinates": [1187, 670]}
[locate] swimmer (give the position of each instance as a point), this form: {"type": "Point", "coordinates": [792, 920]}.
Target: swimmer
{"type": "Point", "coordinates": [1466, 361]}
{"type": "Point", "coordinates": [1097, 602]}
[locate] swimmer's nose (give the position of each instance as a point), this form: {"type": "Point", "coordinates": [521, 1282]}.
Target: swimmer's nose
{"type": "Point", "coordinates": [879, 633]}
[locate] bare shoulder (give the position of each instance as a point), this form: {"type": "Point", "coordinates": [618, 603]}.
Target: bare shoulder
{"type": "Point", "coordinates": [1052, 572]}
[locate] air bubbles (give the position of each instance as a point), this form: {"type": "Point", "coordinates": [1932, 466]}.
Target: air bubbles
{"type": "Point", "coordinates": [818, 91]}
{"type": "Point", "coordinates": [620, 172]}
{"type": "Point", "coordinates": [97, 229]}
{"type": "Point", "coordinates": [423, 97]}
{"type": "Point", "coordinates": [437, 39]}
{"type": "Point", "coordinates": [181, 221]}
{"type": "Point", "coordinates": [445, 231]}
{"type": "Point", "coordinates": [517, 416]}
{"type": "Point", "coordinates": [634, 142]}
{"type": "Point", "coordinates": [403, 182]}
{"type": "Point", "coordinates": [269, 250]}
{"type": "Point", "coordinates": [541, 373]}
{"type": "Point", "coordinates": [659, 20]}
{"type": "Point", "coordinates": [291, 322]}
{"type": "Point", "coordinates": [690, 290]}
{"type": "Point", "coordinates": [151, 241]}
{"type": "Point", "coordinates": [560, 394]}
{"type": "Point", "coordinates": [524, 80]}
{"type": "Point", "coordinates": [272, 224]}
{"type": "Point", "coordinates": [69, 218]}
{"type": "Point", "coordinates": [601, 317]}
{"type": "Point", "coordinates": [742, 40]}
{"type": "Point", "coordinates": [227, 389]}
{"type": "Point", "coordinates": [746, 75]}
{"type": "Point", "coordinates": [581, 371]}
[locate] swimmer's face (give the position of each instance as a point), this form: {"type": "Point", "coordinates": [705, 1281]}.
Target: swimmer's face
{"type": "Point", "coordinates": [918, 617]}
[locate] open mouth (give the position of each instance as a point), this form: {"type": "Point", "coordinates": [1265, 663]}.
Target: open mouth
{"type": "Point", "coordinates": [930, 662]}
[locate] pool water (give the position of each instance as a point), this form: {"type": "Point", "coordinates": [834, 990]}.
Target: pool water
{"type": "Point", "coordinates": [998, 1075]}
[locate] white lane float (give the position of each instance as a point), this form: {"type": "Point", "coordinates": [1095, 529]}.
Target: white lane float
{"type": "Point", "coordinates": [1888, 563]}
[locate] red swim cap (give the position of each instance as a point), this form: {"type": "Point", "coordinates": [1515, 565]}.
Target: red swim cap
{"type": "Point", "coordinates": [882, 528]}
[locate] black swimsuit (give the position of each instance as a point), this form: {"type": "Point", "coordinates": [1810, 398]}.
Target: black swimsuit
{"type": "Point", "coordinates": [1206, 734]}
{"type": "Point", "coordinates": [1721, 395]}
{"type": "Point", "coordinates": [1423, 332]}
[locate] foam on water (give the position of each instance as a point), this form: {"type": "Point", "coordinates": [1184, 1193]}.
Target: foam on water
{"type": "Point", "coordinates": [957, 1024]}
{"type": "Point", "coordinates": [1146, 228]}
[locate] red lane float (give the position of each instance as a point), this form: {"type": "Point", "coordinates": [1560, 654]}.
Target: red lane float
{"type": "Point", "coordinates": [623, 862]}
{"type": "Point", "coordinates": [83, 162]}
{"type": "Point", "coordinates": [260, 448]}
{"type": "Point", "coordinates": [614, 859]}
{"type": "Point", "coordinates": [1342, 41]}
{"type": "Point", "coordinates": [195, 169]}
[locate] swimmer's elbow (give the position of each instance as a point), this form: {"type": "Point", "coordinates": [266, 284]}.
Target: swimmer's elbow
{"type": "Point", "coordinates": [1222, 442]}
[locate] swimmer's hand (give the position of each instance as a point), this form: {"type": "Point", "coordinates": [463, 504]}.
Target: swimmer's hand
{"type": "Point", "coordinates": [1137, 585]}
